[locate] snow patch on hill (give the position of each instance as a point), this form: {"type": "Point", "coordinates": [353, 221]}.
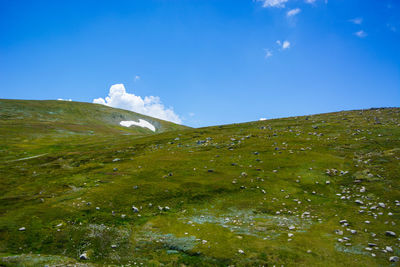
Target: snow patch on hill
{"type": "Point", "coordinates": [141, 123]}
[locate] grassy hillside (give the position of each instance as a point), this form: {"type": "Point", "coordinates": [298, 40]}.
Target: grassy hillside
{"type": "Point", "coordinates": [43, 126]}
{"type": "Point", "coordinates": [319, 190]}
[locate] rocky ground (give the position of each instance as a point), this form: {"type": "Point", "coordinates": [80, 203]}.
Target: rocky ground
{"type": "Point", "coordinates": [321, 190]}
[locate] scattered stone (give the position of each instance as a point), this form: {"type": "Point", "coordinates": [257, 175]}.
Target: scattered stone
{"type": "Point", "coordinates": [241, 251]}
{"type": "Point", "coordinates": [390, 233]}
{"type": "Point", "coordinates": [135, 209]}
{"type": "Point", "coordinates": [394, 259]}
{"type": "Point", "coordinates": [338, 232]}
{"type": "Point", "coordinates": [22, 229]}
{"type": "Point", "coordinates": [83, 256]}
{"type": "Point", "coordinates": [359, 202]}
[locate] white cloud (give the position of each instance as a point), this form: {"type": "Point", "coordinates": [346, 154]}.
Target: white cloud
{"type": "Point", "coordinates": [361, 34]}
{"type": "Point", "coordinates": [149, 105]}
{"type": "Point", "coordinates": [293, 12]}
{"type": "Point", "coordinates": [273, 3]}
{"type": "Point", "coordinates": [60, 99]}
{"type": "Point", "coordinates": [357, 21]}
{"type": "Point", "coordinates": [268, 53]}
{"type": "Point", "coordinates": [310, 1]}
{"type": "Point", "coordinates": [137, 78]}
{"type": "Point", "coordinates": [285, 45]}
{"type": "Point", "coordinates": [191, 114]}
{"type": "Point", "coordinates": [263, 119]}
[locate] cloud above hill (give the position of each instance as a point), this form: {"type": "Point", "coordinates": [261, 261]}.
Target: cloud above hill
{"type": "Point", "coordinates": [149, 105]}
{"type": "Point", "coordinates": [293, 12]}
{"type": "Point", "coordinates": [273, 3]}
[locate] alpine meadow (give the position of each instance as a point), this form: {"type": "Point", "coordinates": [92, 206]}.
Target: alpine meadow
{"type": "Point", "coordinates": [199, 133]}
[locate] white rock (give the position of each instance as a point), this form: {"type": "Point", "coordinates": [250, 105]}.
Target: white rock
{"type": "Point", "coordinates": [83, 256]}
{"type": "Point", "coordinates": [390, 233]}
{"type": "Point", "coordinates": [134, 209]}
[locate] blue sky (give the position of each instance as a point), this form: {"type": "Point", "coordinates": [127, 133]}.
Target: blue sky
{"type": "Point", "coordinates": [206, 62]}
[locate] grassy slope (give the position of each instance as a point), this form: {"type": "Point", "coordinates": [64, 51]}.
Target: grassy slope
{"type": "Point", "coordinates": [35, 127]}
{"type": "Point", "coordinates": [215, 209]}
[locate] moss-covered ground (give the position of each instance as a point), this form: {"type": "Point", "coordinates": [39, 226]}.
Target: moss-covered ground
{"type": "Point", "coordinates": [262, 193]}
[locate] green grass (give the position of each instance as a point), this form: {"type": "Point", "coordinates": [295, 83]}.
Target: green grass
{"type": "Point", "coordinates": [215, 211]}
